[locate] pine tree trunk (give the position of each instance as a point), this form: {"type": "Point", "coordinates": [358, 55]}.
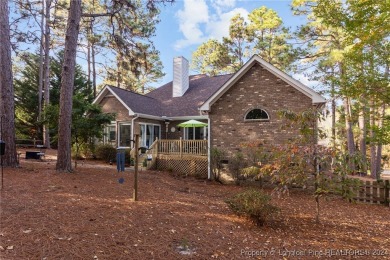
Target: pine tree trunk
{"type": "Point", "coordinates": [373, 169]}
{"type": "Point", "coordinates": [93, 69]}
{"type": "Point", "coordinates": [46, 85]}
{"type": "Point", "coordinates": [118, 72]}
{"type": "Point", "coordinates": [7, 103]}
{"type": "Point", "coordinates": [348, 128]}
{"type": "Point", "coordinates": [363, 134]}
{"type": "Point", "coordinates": [381, 123]}
{"type": "Point", "coordinates": [40, 83]}
{"type": "Point", "coordinates": [64, 161]}
{"type": "Point", "coordinates": [333, 118]}
{"type": "Point", "coordinates": [89, 54]}
{"type": "Point", "coordinates": [378, 159]}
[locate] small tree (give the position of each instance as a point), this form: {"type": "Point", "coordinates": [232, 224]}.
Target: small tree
{"type": "Point", "coordinates": [302, 161]}
{"type": "Point", "coordinates": [216, 158]}
{"type": "Point", "coordinates": [236, 163]}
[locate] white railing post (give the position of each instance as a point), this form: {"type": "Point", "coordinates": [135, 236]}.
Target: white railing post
{"type": "Point", "coordinates": [181, 147]}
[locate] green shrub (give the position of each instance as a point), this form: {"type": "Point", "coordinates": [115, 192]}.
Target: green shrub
{"type": "Point", "coordinates": [83, 151]}
{"type": "Point", "coordinates": [254, 204]}
{"type": "Point", "coordinates": [106, 152]}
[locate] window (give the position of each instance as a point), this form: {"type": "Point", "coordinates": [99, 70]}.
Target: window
{"type": "Point", "coordinates": [124, 134]}
{"type": "Point", "coordinates": [149, 133]}
{"type": "Point", "coordinates": [195, 133]}
{"type": "Point", "coordinates": [257, 114]}
{"type": "Point", "coordinates": [109, 134]}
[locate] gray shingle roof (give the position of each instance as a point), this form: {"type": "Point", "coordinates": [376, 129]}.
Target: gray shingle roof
{"type": "Point", "coordinates": [137, 102]}
{"type": "Point", "coordinates": [160, 102]}
{"type": "Point", "coordinates": [201, 87]}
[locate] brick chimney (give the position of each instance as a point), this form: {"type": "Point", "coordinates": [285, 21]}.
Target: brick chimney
{"type": "Point", "coordinates": [180, 76]}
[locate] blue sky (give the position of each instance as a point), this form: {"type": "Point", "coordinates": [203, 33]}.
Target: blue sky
{"type": "Point", "coordinates": [188, 23]}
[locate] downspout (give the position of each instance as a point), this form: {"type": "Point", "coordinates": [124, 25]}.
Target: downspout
{"type": "Point", "coordinates": [208, 148]}
{"type": "Point", "coordinates": [132, 128]}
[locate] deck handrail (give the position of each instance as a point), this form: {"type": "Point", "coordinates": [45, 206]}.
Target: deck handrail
{"type": "Point", "coordinates": [183, 147]}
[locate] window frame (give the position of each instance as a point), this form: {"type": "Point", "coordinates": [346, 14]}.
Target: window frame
{"type": "Point", "coordinates": [187, 129]}
{"type": "Point", "coordinates": [107, 133]}
{"type": "Point", "coordinates": [259, 119]}
{"type": "Point", "coordinates": [119, 134]}
{"type": "Point", "coordinates": [143, 140]}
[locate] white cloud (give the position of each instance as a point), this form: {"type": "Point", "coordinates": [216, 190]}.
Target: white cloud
{"type": "Point", "coordinates": [194, 14]}
{"type": "Point", "coordinates": [219, 26]}
{"type": "Point", "coordinates": [197, 24]}
{"type": "Point", "coordinates": [221, 5]}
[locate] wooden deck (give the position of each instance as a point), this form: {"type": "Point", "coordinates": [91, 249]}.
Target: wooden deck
{"type": "Point", "coordinates": [187, 157]}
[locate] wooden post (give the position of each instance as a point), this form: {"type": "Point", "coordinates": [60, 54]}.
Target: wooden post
{"type": "Point", "coordinates": [135, 192]}
{"type": "Point", "coordinates": [387, 192]}
{"type": "Point", "coordinates": [181, 147]}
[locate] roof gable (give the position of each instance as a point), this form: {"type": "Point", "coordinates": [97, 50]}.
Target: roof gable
{"type": "Point", "coordinates": [108, 90]}
{"type": "Point", "coordinates": [134, 102]}
{"type": "Point", "coordinates": [316, 98]}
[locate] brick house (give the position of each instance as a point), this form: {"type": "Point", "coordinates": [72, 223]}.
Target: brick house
{"type": "Point", "coordinates": [238, 108]}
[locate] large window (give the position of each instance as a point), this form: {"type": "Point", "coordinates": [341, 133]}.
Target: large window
{"type": "Point", "coordinates": [149, 133]}
{"type": "Point", "coordinates": [195, 133]}
{"type": "Point", "coordinates": [124, 134]}
{"type": "Point", "coordinates": [256, 115]}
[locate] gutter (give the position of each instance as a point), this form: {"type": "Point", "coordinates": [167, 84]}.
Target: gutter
{"type": "Point", "coordinates": [150, 117]}
{"type": "Point", "coordinates": [174, 118]}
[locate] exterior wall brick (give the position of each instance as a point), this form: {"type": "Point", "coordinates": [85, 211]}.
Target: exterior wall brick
{"type": "Point", "coordinates": [110, 104]}
{"type": "Point", "coordinates": [258, 88]}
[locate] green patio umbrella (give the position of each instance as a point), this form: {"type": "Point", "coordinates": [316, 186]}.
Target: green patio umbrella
{"type": "Point", "coordinates": [192, 123]}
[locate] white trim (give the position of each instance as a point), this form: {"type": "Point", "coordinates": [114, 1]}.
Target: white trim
{"type": "Point", "coordinates": [316, 98]}
{"type": "Point", "coordinates": [186, 129]}
{"type": "Point", "coordinates": [103, 93]}
{"type": "Point", "coordinates": [178, 118]}
{"type": "Point", "coordinates": [152, 124]}
{"type": "Point", "coordinates": [209, 149]}
{"type": "Point", "coordinates": [119, 132]}
{"type": "Point", "coordinates": [107, 133]}
{"type": "Point", "coordinates": [257, 119]}
{"type": "Point", "coordinates": [159, 118]}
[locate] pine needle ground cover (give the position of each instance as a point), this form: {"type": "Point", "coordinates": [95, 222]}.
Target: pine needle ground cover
{"type": "Point", "coordinates": [89, 214]}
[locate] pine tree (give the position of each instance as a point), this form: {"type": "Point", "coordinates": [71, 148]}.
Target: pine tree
{"type": "Point", "coordinates": [7, 112]}
{"type": "Point", "coordinates": [64, 163]}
